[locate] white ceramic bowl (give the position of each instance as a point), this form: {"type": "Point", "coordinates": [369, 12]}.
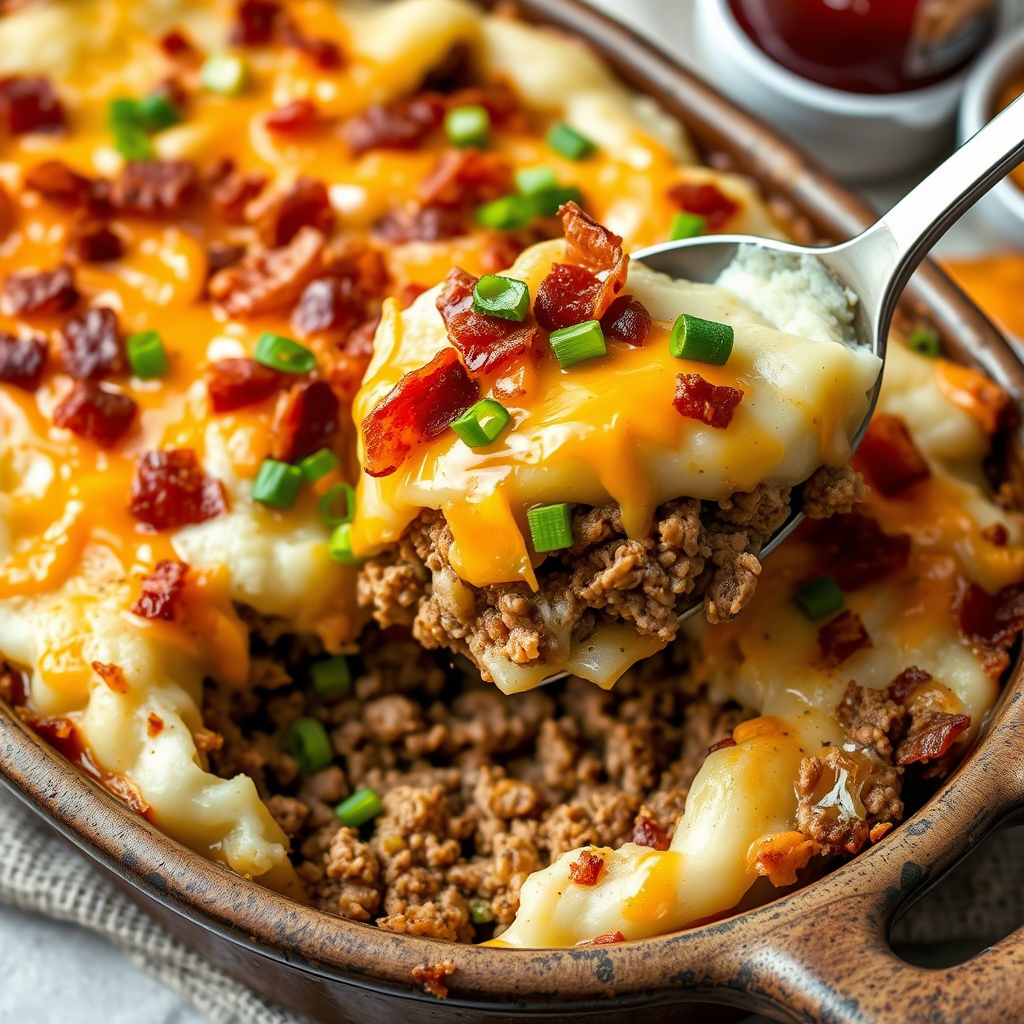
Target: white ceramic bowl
{"type": "Point", "coordinates": [861, 138]}
{"type": "Point", "coordinates": [1002, 210]}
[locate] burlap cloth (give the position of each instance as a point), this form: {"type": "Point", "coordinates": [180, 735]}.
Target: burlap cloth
{"type": "Point", "coordinates": [980, 903]}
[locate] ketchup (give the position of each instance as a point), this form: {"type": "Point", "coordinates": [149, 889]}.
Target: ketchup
{"type": "Point", "coordinates": [869, 46]}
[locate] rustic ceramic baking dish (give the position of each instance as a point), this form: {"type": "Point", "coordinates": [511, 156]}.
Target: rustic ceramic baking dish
{"type": "Point", "coordinates": [818, 954]}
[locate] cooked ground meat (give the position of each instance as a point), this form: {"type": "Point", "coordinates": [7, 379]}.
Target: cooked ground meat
{"type": "Point", "coordinates": [693, 549]}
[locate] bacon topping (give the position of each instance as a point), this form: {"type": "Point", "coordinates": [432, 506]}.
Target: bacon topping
{"type": "Point", "coordinates": [484, 341]}
{"type": "Point", "coordinates": [649, 833]}
{"type": "Point", "coordinates": [161, 589]}
{"type": "Point", "coordinates": [235, 383]}
{"type": "Point", "coordinates": [279, 217]}
{"type": "Point", "coordinates": [991, 622]}
{"type": "Point", "coordinates": [234, 191]}
{"type": "Point", "coordinates": [401, 125]}
{"type": "Point", "coordinates": [297, 116]}
{"type": "Point", "coordinates": [90, 344]}
{"type": "Point", "coordinates": [586, 869]}
{"type": "Point", "coordinates": [842, 637]}
{"type": "Point", "coordinates": [722, 744]}
{"type": "Point", "coordinates": [419, 407]}
{"type": "Point", "coordinates": [154, 725]}
{"type": "Point", "coordinates": [566, 296]}
{"type": "Point", "coordinates": [39, 292]}
{"type": "Point", "coordinates": [96, 412]}
{"type": "Point", "coordinates": [305, 421]}
{"type": "Point", "coordinates": [903, 686]}
{"type": "Point", "coordinates": [466, 177]}
{"type": "Point", "coordinates": [22, 360]}
{"type": "Point", "coordinates": [889, 457]}
{"type": "Point", "coordinates": [626, 320]}
{"type": "Point", "coordinates": [56, 181]}
{"type": "Point", "coordinates": [177, 44]}
{"type": "Point", "coordinates": [92, 241]}
{"type": "Point", "coordinates": [153, 188]}
{"type": "Point", "coordinates": [220, 255]}
{"type": "Point", "coordinates": [170, 490]}
{"type": "Point", "coordinates": [425, 224]}
{"type": "Point", "coordinates": [705, 199]}
{"type": "Point", "coordinates": [607, 939]}
{"type": "Point", "coordinates": [855, 551]}
{"type": "Point", "coordinates": [593, 247]}
{"type": "Point", "coordinates": [930, 737]}
{"type": "Point", "coordinates": [327, 304]}
{"type": "Point", "coordinates": [111, 675]}
{"type": "Point", "coordinates": [698, 399]}
{"type": "Point", "coordinates": [255, 22]}
{"type": "Point", "coordinates": [29, 104]}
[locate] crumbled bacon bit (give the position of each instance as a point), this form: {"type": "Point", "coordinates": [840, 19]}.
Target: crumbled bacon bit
{"type": "Point", "coordinates": [93, 241]}
{"type": "Point", "coordinates": [930, 737]}
{"type": "Point", "coordinates": [649, 833]}
{"type": "Point", "coordinates": [154, 188]}
{"type": "Point", "coordinates": [841, 637]}
{"type": "Point", "coordinates": [466, 177]}
{"type": "Point", "coordinates": [889, 458]}
{"type": "Point", "coordinates": [566, 296]}
{"type": "Point", "coordinates": [855, 551]}
{"type": "Point", "coordinates": [607, 939]}
{"type": "Point", "coordinates": [233, 192]}
{"type": "Point", "coordinates": [903, 686]}
{"type": "Point", "coordinates": [112, 675]}
{"type": "Point", "coordinates": [28, 103]}
{"type": "Point", "coordinates": [96, 412]}
{"type": "Point", "coordinates": [592, 246]}
{"type": "Point", "coordinates": [235, 383]}
{"type": "Point", "coordinates": [348, 367]}
{"type": "Point", "coordinates": [90, 344]}
{"type": "Point", "coordinates": [8, 213]}
{"type": "Point", "coordinates": [154, 725]}
{"type": "Point", "coordinates": [705, 199]}
{"type": "Point", "coordinates": [298, 116]}
{"type": "Point", "coordinates": [991, 622]}
{"type": "Point", "coordinates": [56, 181]}
{"type": "Point", "coordinates": [722, 744]}
{"type": "Point", "coordinates": [356, 258]}
{"type": "Point", "coordinates": [587, 868]}
{"type": "Point", "coordinates": [220, 255]}
{"type": "Point", "coordinates": [485, 342]}
{"type": "Point", "coordinates": [305, 421]}
{"type": "Point", "coordinates": [256, 22]}
{"type": "Point", "coordinates": [22, 360]}
{"type": "Point", "coordinates": [424, 224]}
{"type": "Point", "coordinates": [996, 535]}
{"type": "Point", "coordinates": [700, 400]}
{"type": "Point", "coordinates": [327, 304]}
{"type": "Point", "coordinates": [433, 977]}
{"type": "Point", "coordinates": [279, 216]}
{"type": "Point", "coordinates": [419, 407]}
{"type": "Point", "coordinates": [177, 44]}
{"type": "Point", "coordinates": [271, 280]}
{"type": "Point", "coordinates": [626, 320]}
{"type": "Point", "coordinates": [161, 589]}
{"type": "Point", "coordinates": [400, 125]}
{"type": "Point", "coordinates": [39, 292]}
{"type": "Point", "coordinates": [170, 490]}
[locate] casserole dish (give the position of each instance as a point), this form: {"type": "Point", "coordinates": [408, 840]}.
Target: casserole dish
{"type": "Point", "coordinates": [343, 969]}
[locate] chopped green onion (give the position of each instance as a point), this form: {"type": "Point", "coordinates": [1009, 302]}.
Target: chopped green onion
{"type": "Point", "coordinates": [317, 466]}
{"type": "Point", "coordinates": [550, 527]}
{"type": "Point", "coordinates": [362, 806]}
{"type": "Point", "coordinates": [341, 545]}
{"type": "Point", "coordinates": [157, 112]}
{"type": "Point", "coordinates": [147, 355]}
{"type": "Point", "coordinates": [309, 744]}
{"type": "Point", "coordinates": [224, 73]}
{"type": "Point", "coordinates": [703, 341]}
{"type": "Point", "coordinates": [569, 142]}
{"type": "Point", "coordinates": [467, 126]}
{"type": "Point", "coordinates": [342, 495]}
{"type": "Point", "coordinates": [506, 297]}
{"type": "Point", "coordinates": [133, 144]}
{"type": "Point", "coordinates": [281, 353]}
{"type": "Point", "coordinates": [480, 912]}
{"type": "Point", "coordinates": [819, 598]}
{"type": "Point", "coordinates": [531, 180]}
{"type": "Point", "coordinates": [926, 342]}
{"type": "Point", "coordinates": [549, 200]}
{"type": "Point", "coordinates": [277, 484]}
{"type": "Point", "coordinates": [687, 225]}
{"type": "Point", "coordinates": [123, 112]}
{"type": "Point", "coordinates": [509, 213]}
{"type": "Point", "coordinates": [331, 676]}
{"type": "Point", "coordinates": [578, 343]}
{"type": "Point", "coordinates": [481, 425]}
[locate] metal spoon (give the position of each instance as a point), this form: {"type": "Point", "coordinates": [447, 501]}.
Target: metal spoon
{"type": "Point", "coordinates": [877, 264]}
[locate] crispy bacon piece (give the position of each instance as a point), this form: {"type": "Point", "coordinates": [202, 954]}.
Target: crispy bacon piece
{"type": "Point", "coordinates": [418, 408]}
{"type": "Point", "coordinates": [220, 255]}
{"type": "Point", "coordinates": [587, 868]}
{"type": "Point", "coordinates": [930, 737]}
{"type": "Point", "coordinates": [722, 744]}
{"type": "Point", "coordinates": [256, 22]}
{"type": "Point", "coordinates": [154, 725]}
{"type": "Point", "coordinates": [235, 383]}
{"type": "Point", "coordinates": [39, 292]}
{"type": "Point", "coordinates": [424, 224]}
{"type": "Point", "coordinates": [232, 193]}
{"type": "Point", "coordinates": [90, 344]}
{"type": "Point", "coordinates": [170, 490]}
{"type": "Point", "coordinates": [327, 304]}
{"type": "Point", "coordinates": [841, 637]}
{"type": "Point", "coordinates": [855, 551]}
{"type": "Point", "coordinates": [566, 296]}
{"type": "Point", "coordinates": [592, 246]}
{"type": "Point", "coordinates": [466, 177]}
{"type": "Point", "coordinates": [161, 590]}
{"type": "Point", "coordinates": [400, 125]}
{"type": "Point", "coordinates": [354, 257]}
{"type": "Point", "coordinates": [627, 320]}
{"type": "Point", "coordinates": [324, 53]}
{"type": "Point", "coordinates": [607, 939]}
{"type": "Point", "coordinates": [484, 341]}
{"type": "Point", "coordinates": [700, 400]}
{"type": "Point", "coordinates": [28, 103]}
{"type": "Point", "coordinates": [996, 535]}
{"type": "Point", "coordinates": [177, 45]}
{"type": "Point", "coordinates": [348, 367]}
{"type": "Point", "coordinates": [154, 188]}
{"type": "Point", "coordinates": [704, 199]}
{"type": "Point", "coordinates": [305, 421]}
{"type": "Point", "coordinates": [888, 456]}
{"type": "Point", "coordinates": [8, 213]}
{"type": "Point", "coordinates": [96, 412]}
{"type": "Point", "coordinates": [93, 241]}
{"type": "Point", "coordinates": [649, 833]}
{"type": "Point", "coordinates": [112, 675]}
{"type": "Point", "coordinates": [991, 622]}
{"type": "Point", "coordinates": [298, 116]}
{"type": "Point", "coordinates": [903, 686]}
{"type": "Point", "coordinates": [279, 216]}
{"type": "Point", "coordinates": [271, 280]}
{"type": "Point", "coordinates": [56, 181]}
{"type": "Point", "coordinates": [22, 360]}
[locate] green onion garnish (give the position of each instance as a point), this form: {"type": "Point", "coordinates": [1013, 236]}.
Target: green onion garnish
{"type": "Point", "coordinates": [277, 484]}
{"type": "Point", "coordinates": [147, 355]}
{"type": "Point", "coordinates": [569, 142]}
{"type": "Point", "coordinates": [157, 112]}
{"type": "Point", "coordinates": [703, 341]}
{"type": "Point", "coordinates": [309, 744]}
{"type": "Point", "coordinates": [480, 912]}
{"type": "Point", "coordinates": [509, 213]}
{"type": "Point", "coordinates": [341, 545]}
{"type": "Point", "coordinates": [687, 225]}
{"type": "Point", "coordinates": [123, 112]}
{"type": "Point", "coordinates": [550, 527]}
{"type": "Point", "coordinates": [331, 676]}
{"type": "Point", "coordinates": [506, 297]}
{"type": "Point", "coordinates": [133, 144]}
{"type": "Point", "coordinates": [315, 467]}
{"type": "Point", "coordinates": [481, 425]}
{"type": "Point", "coordinates": [819, 598]}
{"type": "Point", "coordinates": [926, 342]}
{"type": "Point", "coordinates": [549, 200]}
{"type": "Point", "coordinates": [578, 343]}
{"type": "Point", "coordinates": [224, 73]}
{"type": "Point", "coordinates": [531, 180]}
{"type": "Point", "coordinates": [338, 505]}
{"type": "Point", "coordinates": [362, 806]}
{"type": "Point", "coordinates": [467, 126]}
{"type": "Point", "coordinates": [281, 353]}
